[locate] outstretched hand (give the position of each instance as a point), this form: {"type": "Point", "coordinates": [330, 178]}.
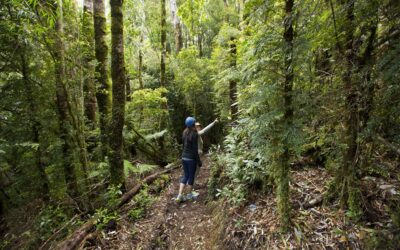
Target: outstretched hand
{"type": "Point", "coordinates": [216, 120]}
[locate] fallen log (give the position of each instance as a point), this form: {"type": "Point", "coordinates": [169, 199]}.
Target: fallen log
{"type": "Point", "coordinates": [78, 236]}
{"type": "Point", "coordinates": [148, 180]}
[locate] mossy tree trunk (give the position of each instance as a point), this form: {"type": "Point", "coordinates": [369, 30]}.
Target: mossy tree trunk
{"type": "Point", "coordinates": [232, 82]}
{"type": "Point", "coordinates": [118, 93]}
{"type": "Point", "coordinates": [346, 183]}
{"type": "Point", "coordinates": [66, 126]}
{"type": "Point", "coordinates": [103, 93]}
{"type": "Point", "coordinates": [350, 193]}
{"type": "Point", "coordinates": [140, 66]}
{"type": "Point", "coordinates": [89, 85]}
{"type": "Point", "coordinates": [358, 92]}
{"type": "Point", "coordinates": [284, 161]}
{"type": "Point", "coordinates": [177, 27]}
{"type": "Point", "coordinates": [163, 41]}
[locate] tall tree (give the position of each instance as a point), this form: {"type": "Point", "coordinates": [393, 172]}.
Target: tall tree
{"type": "Point", "coordinates": [163, 41]}
{"type": "Point", "coordinates": [140, 66]}
{"type": "Point", "coordinates": [358, 92]}
{"type": "Point", "coordinates": [284, 162]}
{"type": "Point", "coordinates": [62, 104]}
{"type": "Point", "coordinates": [103, 93]}
{"type": "Point", "coordinates": [232, 81]}
{"type": "Point", "coordinates": [89, 86]}
{"type": "Point", "coordinates": [177, 26]}
{"type": "Point", "coordinates": [118, 93]}
{"type": "Point", "coordinates": [346, 181]}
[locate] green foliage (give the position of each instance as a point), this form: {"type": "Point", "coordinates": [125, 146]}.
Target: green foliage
{"type": "Point", "coordinates": [245, 168]}
{"type": "Point", "coordinates": [192, 94]}
{"type": "Point", "coordinates": [135, 214]}
{"type": "Point", "coordinates": [49, 220]}
{"type": "Point", "coordinates": [148, 103]}
{"type": "Point", "coordinates": [143, 199]}
{"type": "Point", "coordinates": [104, 216]}
{"type": "Point", "coordinates": [140, 169]}
{"type": "Point", "coordinates": [142, 202]}
{"type": "Point", "coordinates": [191, 77]}
{"type": "Point", "coordinates": [111, 197]}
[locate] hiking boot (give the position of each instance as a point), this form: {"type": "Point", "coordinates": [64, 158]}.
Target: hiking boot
{"type": "Point", "coordinates": [180, 199]}
{"type": "Point", "coordinates": [191, 196]}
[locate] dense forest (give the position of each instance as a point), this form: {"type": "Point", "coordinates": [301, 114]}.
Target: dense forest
{"type": "Point", "coordinates": [94, 96]}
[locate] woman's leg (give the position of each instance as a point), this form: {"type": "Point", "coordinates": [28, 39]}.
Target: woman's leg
{"type": "Point", "coordinates": [181, 187]}
{"type": "Point", "coordinates": [185, 176]}
{"type": "Point", "coordinates": [191, 172]}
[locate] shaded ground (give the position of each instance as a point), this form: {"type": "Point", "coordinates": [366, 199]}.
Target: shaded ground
{"type": "Point", "coordinates": [256, 225]}
{"type": "Point", "coordinates": [168, 225]}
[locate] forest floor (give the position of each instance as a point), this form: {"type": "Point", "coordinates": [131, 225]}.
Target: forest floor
{"type": "Point", "coordinates": [255, 224]}
{"type": "Point", "coordinates": [168, 224]}
{"type": "Point", "coordinates": [197, 224]}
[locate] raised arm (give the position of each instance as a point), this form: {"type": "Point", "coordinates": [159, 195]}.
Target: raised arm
{"type": "Point", "coordinates": [209, 126]}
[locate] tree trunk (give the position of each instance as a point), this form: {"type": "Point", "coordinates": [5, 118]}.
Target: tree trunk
{"type": "Point", "coordinates": [284, 167]}
{"type": "Point", "coordinates": [163, 123]}
{"type": "Point", "coordinates": [177, 27]}
{"type": "Point", "coordinates": [62, 105]}
{"type": "Point", "coordinates": [365, 67]}
{"type": "Point", "coordinates": [118, 95]}
{"type": "Point", "coordinates": [232, 82]}
{"type": "Point", "coordinates": [140, 70]}
{"type": "Point", "coordinates": [163, 40]}
{"type": "Point", "coordinates": [128, 87]}
{"type": "Point", "coordinates": [89, 85]}
{"type": "Point", "coordinates": [346, 179]}
{"type": "Point", "coordinates": [103, 93]}
{"type": "Point", "coordinates": [200, 44]}
{"type": "Point", "coordinates": [33, 112]}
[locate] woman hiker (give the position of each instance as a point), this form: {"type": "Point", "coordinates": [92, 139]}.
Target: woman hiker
{"type": "Point", "coordinates": [190, 158]}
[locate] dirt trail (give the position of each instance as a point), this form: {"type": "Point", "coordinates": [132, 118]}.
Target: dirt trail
{"type": "Point", "coordinates": [169, 225]}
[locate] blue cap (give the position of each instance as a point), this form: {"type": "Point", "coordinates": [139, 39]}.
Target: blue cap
{"type": "Point", "coordinates": [190, 121]}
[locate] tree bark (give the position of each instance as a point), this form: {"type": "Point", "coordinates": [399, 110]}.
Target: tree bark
{"type": "Point", "coordinates": [128, 87]}
{"type": "Point", "coordinates": [103, 93]}
{"type": "Point", "coordinates": [200, 44]}
{"type": "Point", "coordinates": [163, 40]}
{"type": "Point", "coordinates": [346, 178]}
{"type": "Point", "coordinates": [284, 168]}
{"type": "Point", "coordinates": [232, 82]}
{"type": "Point", "coordinates": [118, 95]}
{"type": "Point", "coordinates": [140, 70]}
{"type": "Point", "coordinates": [177, 26]}
{"type": "Point", "coordinates": [62, 105]}
{"type": "Point", "coordinates": [89, 85]}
